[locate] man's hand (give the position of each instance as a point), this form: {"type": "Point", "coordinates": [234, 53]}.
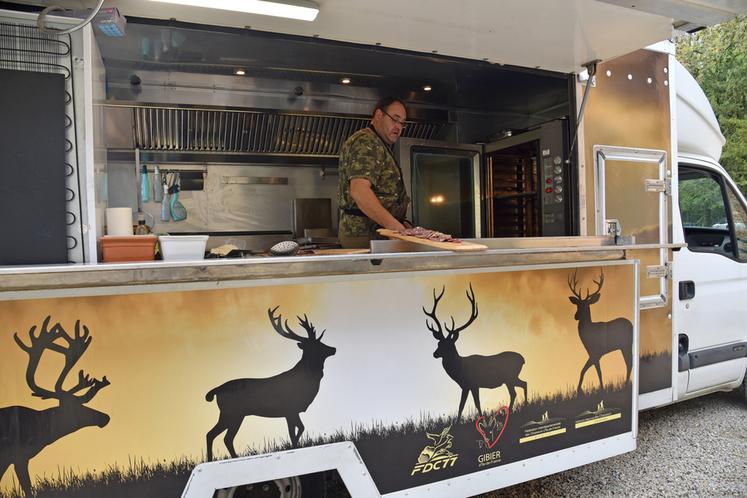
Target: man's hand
{"type": "Point", "coordinates": [360, 191]}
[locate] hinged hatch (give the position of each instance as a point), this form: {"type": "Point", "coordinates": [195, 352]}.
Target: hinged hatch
{"type": "Point", "coordinates": [546, 34]}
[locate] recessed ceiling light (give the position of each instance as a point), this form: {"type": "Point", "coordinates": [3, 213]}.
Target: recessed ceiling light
{"type": "Point", "coordinates": [345, 81]}
{"type": "Point", "coordinates": [303, 10]}
{"type": "Point", "coordinates": [240, 72]}
{"type": "Point", "coordinates": [427, 88]}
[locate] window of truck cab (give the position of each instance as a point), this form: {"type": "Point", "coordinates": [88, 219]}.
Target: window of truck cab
{"type": "Point", "coordinates": [714, 219]}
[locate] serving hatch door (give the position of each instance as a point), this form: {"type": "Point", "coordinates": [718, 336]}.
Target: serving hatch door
{"type": "Point", "coordinates": [564, 35]}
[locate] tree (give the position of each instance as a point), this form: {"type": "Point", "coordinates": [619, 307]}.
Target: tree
{"type": "Point", "coordinates": [717, 58]}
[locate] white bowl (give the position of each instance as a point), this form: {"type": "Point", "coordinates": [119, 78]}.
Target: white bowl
{"type": "Point", "coordinates": [182, 247]}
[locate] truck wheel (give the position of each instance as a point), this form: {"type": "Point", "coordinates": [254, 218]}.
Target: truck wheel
{"type": "Point", "coordinates": [326, 484]}
{"type": "Point", "coordinates": [289, 487]}
{"type": "Point", "coordinates": [744, 386]}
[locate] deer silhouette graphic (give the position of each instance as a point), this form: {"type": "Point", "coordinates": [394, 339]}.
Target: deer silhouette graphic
{"type": "Point", "coordinates": [600, 338]}
{"type": "Point", "coordinates": [475, 371]}
{"type": "Point", "coordinates": [285, 395]}
{"type": "Point", "coordinates": [24, 432]}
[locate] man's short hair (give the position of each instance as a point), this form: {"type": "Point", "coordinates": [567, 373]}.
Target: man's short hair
{"type": "Point", "coordinates": [385, 102]}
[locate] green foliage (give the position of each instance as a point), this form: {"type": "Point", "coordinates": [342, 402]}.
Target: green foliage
{"type": "Point", "coordinates": [717, 58]}
{"type": "Point", "coordinates": [701, 203]}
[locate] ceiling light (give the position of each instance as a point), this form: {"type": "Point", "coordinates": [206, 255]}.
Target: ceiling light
{"type": "Point", "coordinates": [427, 88]}
{"type": "Point", "coordinates": [303, 10]}
{"type": "Point", "coordinates": [240, 72]}
{"type": "Point", "coordinates": [345, 81]}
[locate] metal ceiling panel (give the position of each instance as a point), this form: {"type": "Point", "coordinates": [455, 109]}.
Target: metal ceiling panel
{"type": "Point", "coordinates": [690, 14]}
{"type": "Point", "coordinates": [548, 34]}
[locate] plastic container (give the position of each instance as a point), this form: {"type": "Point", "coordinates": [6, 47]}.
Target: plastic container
{"type": "Point", "coordinates": [119, 248]}
{"type": "Point", "coordinates": [183, 247]}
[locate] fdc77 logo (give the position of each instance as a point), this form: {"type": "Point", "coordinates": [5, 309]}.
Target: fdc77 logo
{"type": "Point", "coordinates": [436, 456]}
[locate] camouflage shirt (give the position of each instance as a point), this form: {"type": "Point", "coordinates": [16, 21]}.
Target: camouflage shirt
{"type": "Point", "coordinates": [364, 155]}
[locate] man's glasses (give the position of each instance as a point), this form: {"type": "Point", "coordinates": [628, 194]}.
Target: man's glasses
{"type": "Point", "coordinates": [402, 124]}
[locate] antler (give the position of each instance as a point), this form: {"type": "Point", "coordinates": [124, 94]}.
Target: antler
{"type": "Point", "coordinates": [45, 340]}
{"type": "Point", "coordinates": [437, 332]}
{"type": "Point", "coordinates": [309, 328]}
{"type": "Point", "coordinates": [76, 347]}
{"type": "Point", "coordinates": [599, 284]}
{"type": "Point", "coordinates": [572, 285]}
{"type": "Point", "coordinates": [277, 324]}
{"type": "Point", "coordinates": [454, 332]}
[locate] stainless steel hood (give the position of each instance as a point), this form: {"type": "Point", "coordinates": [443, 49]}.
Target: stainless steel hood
{"type": "Point", "coordinates": [249, 131]}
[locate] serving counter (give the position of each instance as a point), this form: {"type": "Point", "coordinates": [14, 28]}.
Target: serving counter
{"type": "Point", "coordinates": [388, 348]}
{"type": "Point", "coordinates": [386, 257]}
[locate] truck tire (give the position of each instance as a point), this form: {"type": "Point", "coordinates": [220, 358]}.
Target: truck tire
{"type": "Point", "coordinates": [744, 387]}
{"type": "Point", "coordinates": [279, 488]}
{"type": "Point", "coordinates": [316, 485]}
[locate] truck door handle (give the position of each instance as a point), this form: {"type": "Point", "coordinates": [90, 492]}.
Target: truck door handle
{"type": "Point", "coordinates": [687, 290]}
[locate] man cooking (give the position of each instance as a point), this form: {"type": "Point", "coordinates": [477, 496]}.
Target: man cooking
{"type": "Point", "coordinates": [371, 193]}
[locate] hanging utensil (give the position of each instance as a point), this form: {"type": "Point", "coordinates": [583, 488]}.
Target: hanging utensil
{"type": "Point", "coordinates": [178, 211]}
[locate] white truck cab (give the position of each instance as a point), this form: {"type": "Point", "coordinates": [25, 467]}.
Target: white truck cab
{"type": "Point", "coordinates": [709, 274]}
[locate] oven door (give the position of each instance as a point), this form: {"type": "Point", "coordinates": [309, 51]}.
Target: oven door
{"type": "Point", "coordinates": [443, 180]}
{"type": "Point", "coordinates": [528, 184]}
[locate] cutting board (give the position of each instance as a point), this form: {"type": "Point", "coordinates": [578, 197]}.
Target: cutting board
{"type": "Point", "coordinates": [448, 246]}
{"type": "Point", "coordinates": [331, 252]}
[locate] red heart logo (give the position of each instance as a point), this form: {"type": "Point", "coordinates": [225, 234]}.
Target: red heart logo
{"type": "Point", "coordinates": [491, 428]}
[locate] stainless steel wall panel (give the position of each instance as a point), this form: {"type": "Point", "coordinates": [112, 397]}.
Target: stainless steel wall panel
{"type": "Point", "coordinates": [234, 198]}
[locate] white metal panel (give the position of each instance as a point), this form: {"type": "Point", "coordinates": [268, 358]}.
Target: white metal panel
{"type": "Point", "coordinates": [94, 167]}
{"type": "Point", "coordinates": [697, 126]}
{"type": "Point", "coordinates": [656, 398]}
{"type": "Point", "coordinates": [692, 13]}
{"type": "Point", "coordinates": [207, 477]}
{"type": "Point", "coordinates": [713, 375]}
{"type": "Point", "coordinates": [717, 313]}
{"type": "Point", "coordinates": [549, 34]}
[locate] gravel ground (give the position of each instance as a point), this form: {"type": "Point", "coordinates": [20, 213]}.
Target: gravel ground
{"type": "Point", "coordinates": [693, 448]}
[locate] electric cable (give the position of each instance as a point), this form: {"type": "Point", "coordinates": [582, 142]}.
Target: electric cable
{"type": "Point", "coordinates": [54, 8]}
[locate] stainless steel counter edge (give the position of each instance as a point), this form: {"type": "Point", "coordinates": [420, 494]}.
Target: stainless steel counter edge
{"type": "Point", "coordinates": [13, 279]}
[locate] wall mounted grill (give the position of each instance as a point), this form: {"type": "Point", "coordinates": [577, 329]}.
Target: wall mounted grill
{"type": "Point", "coordinates": [254, 132]}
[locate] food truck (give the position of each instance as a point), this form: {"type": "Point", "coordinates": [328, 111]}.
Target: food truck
{"type": "Point", "coordinates": [562, 142]}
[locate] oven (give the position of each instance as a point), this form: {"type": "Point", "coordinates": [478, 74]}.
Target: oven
{"type": "Point", "coordinates": [443, 180]}
{"type": "Point", "coordinates": [518, 186]}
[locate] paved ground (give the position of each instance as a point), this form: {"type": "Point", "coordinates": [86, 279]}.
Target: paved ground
{"type": "Point", "coordinates": [694, 448]}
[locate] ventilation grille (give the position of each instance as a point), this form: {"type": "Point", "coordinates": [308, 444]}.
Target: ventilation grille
{"type": "Point", "coordinates": [256, 132]}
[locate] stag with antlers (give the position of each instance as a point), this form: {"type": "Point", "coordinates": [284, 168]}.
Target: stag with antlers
{"type": "Point", "coordinates": [473, 372]}
{"type": "Point", "coordinates": [285, 395]}
{"type": "Point", "coordinates": [24, 432]}
{"type": "Point", "coordinates": [600, 338]}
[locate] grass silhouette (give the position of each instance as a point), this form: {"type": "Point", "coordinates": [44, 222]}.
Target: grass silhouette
{"type": "Point", "coordinates": [143, 478]}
